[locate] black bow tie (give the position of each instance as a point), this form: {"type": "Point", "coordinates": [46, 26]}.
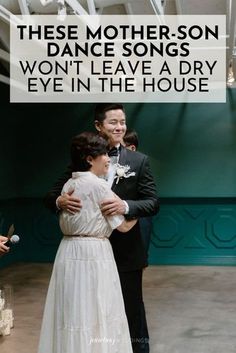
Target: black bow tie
{"type": "Point", "coordinates": [113, 152]}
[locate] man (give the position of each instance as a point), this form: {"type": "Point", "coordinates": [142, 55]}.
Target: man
{"type": "Point", "coordinates": [132, 181]}
{"type": "Point", "coordinates": [3, 248]}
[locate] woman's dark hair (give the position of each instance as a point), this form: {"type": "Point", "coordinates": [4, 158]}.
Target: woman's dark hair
{"type": "Point", "coordinates": [102, 108]}
{"type": "Point", "coordinates": [84, 145]}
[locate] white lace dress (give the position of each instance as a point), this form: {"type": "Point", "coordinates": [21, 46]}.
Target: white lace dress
{"type": "Point", "coordinates": [84, 310]}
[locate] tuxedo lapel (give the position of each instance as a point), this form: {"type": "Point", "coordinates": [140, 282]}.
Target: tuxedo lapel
{"type": "Point", "coordinates": [122, 161]}
{"type": "Point", "coordinates": [123, 155]}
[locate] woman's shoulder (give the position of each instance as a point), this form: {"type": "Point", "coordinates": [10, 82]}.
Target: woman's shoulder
{"type": "Point", "coordinates": [69, 185]}
{"type": "Point", "coordinates": [95, 187]}
{"type": "Point", "coordinates": [101, 187]}
{"type": "Point", "coordinates": [101, 184]}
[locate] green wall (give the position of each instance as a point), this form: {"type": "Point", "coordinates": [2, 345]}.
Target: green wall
{"type": "Point", "coordinates": [192, 149]}
{"type": "Point", "coordinates": [192, 146]}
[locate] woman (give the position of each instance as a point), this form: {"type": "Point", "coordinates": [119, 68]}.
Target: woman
{"type": "Point", "coordinates": [84, 310]}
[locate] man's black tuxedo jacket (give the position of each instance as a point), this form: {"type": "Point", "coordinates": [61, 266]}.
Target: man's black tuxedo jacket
{"type": "Point", "coordinates": [139, 192]}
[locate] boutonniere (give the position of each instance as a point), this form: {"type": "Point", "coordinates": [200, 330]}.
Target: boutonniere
{"type": "Point", "coordinates": [122, 171]}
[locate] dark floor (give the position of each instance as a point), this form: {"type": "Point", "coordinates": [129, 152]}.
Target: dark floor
{"type": "Point", "coordinates": [189, 309]}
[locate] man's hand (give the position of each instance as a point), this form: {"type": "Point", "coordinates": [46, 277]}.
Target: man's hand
{"type": "Point", "coordinates": [112, 207]}
{"type": "Point", "coordinates": [3, 248]}
{"type": "Point", "coordinates": [69, 203]}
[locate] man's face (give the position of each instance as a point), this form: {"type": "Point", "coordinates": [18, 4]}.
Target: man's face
{"type": "Point", "coordinates": [113, 126]}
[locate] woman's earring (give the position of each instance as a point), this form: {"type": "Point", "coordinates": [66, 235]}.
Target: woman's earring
{"type": "Point", "coordinates": [90, 161]}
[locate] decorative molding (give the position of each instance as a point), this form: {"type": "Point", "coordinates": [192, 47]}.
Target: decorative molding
{"type": "Point", "coordinates": [194, 234]}
{"type": "Point", "coordinates": [190, 233]}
